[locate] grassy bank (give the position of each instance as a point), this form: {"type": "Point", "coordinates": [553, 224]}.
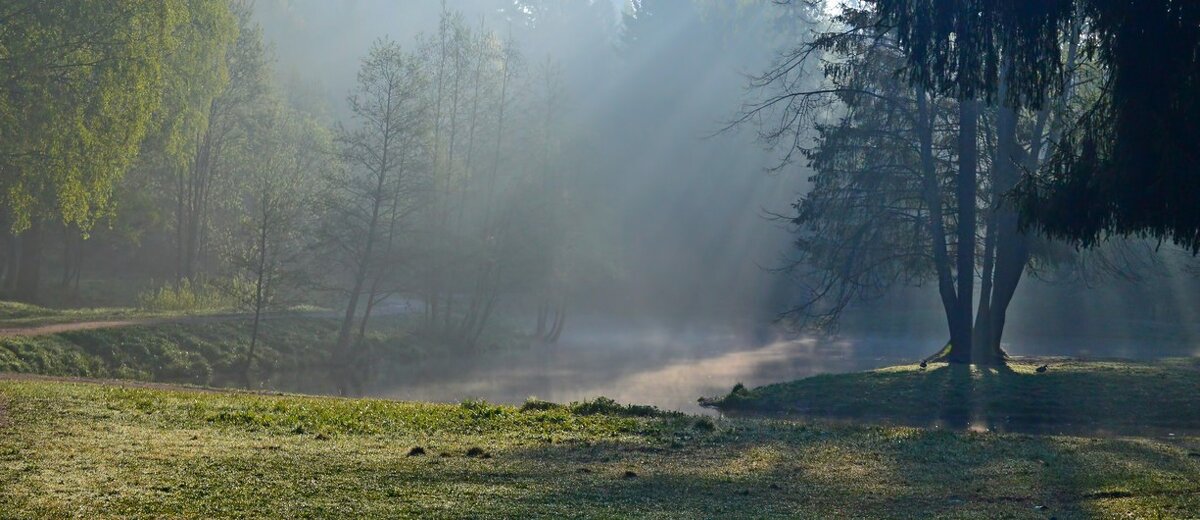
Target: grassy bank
{"type": "Point", "coordinates": [1070, 395]}
{"type": "Point", "coordinates": [96, 451]}
{"type": "Point", "coordinates": [14, 315]}
{"type": "Point", "coordinates": [203, 352]}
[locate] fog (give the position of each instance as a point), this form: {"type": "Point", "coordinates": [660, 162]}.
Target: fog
{"type": "Point", "coordinates": [637, 199]}
{"type": "Point", "coordinates": [610, 258]}
{"type": "Point", "coordinates": [683, 212]}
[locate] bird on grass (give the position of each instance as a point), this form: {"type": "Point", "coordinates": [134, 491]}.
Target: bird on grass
{"type": "Point", "coordinates": [1042, 369]}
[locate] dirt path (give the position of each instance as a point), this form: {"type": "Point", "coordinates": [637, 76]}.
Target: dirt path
{"type": "Point", "coordinates": [71, 326]}
{"type": "Point", "coordinates": [56, 328]}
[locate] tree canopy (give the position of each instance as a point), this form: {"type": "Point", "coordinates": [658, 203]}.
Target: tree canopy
{"type": "Point", "coordinates": [79, 84]}
{"type": "Point", "coordinates": [1128, 165]}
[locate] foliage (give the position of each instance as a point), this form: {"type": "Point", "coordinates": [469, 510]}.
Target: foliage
{"type": "Point", "coordinates": [188, 296]}
{"type": "Point", "coordinates": [956, 47]}
{"type": "Point", "coordinates": [604, 405]}
{"type": "Point", "coordinates": [1128, 165]}
{"type": "Point", "coordinates": [195, 74]}
{"type": "Point", "coordinates": [81, 82]}
{"type": "Point", "coordinates": [194, 353]}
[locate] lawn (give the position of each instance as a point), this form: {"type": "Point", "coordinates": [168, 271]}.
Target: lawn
{"type": "Point", "coordinates": [86, 450]}
{"type": "Point", "coordinates": [1069, 395]}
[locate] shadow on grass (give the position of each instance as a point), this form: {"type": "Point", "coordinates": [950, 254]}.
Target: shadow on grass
{"type": "Point", "coordinates": [855, 472]}
{"type": "Point", "coordinates": [1095, 398]}
{"type": "Point", "coordinates": [668, 467]}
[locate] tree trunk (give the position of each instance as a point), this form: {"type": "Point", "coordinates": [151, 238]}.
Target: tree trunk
{"type": "Point", "coordinates": [933, 199]}
{"type": "Point", "coordinates": [543, 312]}
{"type": "Point", "coordinates": [1010, 243]}
{"type": "Point", "coordinates": [30, 264]}
{"type": "Point", "coordinates": [342, 347]}
{"type": "Point", "coordinates": [72, 264]}
{"type": "Point", "coordinates": [983, 316]}
{"type": "Point", "coordinates": [356, 371]}
{"type": "Point", "coordinates": [560, 321]}
{"type": "Point", "coordinates": [260, 294]}
{"type": "Point", "coordinates": [965, 194]}
{"type": "Point", "coordinates": [483, 319]}
{"type": "Point", "coordinates": [12, 267]}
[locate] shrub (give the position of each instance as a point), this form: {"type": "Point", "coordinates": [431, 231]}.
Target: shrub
{"type": "Point", "coordinates": [534, 404]}
{"type": "Point", "coordinates": [605, 406]}
{"type": "Point", "coordinates": [705, 424]}
{"type": "Point", "coordinates": [185, 296]}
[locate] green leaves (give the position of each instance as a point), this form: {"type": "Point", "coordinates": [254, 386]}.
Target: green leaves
{"type": "Point", "coordinates": [82, 82]}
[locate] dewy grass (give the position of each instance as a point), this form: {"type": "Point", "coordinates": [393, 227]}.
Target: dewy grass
{"type": "Point", "coordinates": [104, 451]}
{"type": "Point", "coordinates": [1071, 395]}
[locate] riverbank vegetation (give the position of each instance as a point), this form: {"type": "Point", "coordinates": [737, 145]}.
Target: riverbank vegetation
{"type": "Point", "coordinates": [198, 351]}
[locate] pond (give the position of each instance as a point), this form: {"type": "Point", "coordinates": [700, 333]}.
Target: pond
{"type": "Point", "coordinates": [670, 367]}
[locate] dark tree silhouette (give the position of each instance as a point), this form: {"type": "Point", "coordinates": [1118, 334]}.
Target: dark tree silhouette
{"type": "Point", "coordinates": [1128, 165]}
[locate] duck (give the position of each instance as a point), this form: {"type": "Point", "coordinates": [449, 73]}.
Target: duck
{"type": "Point", "coordinates": [1042, 369]}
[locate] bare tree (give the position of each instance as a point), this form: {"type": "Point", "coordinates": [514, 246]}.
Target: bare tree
{"type": "Point", "coordinates": [292, 150]}
{"type": "Point", "coordinates": [370, 199]}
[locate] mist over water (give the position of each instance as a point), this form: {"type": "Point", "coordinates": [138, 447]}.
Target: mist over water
{"type": "Point", "coordinates": [683, 214]}
{"type": "Point", "coordinates": [599, 258]}
{"type": "Point", "coordinates": [680, 215]}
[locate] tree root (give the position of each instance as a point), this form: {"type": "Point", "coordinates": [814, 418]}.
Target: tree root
{"type": "Point", "coordinates": [943, 356]}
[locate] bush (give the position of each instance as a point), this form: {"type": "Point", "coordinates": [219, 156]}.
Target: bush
{"type": "Point", "coordinates": [605, 406]}
{"type": "Point", "coordinates": [481, 410]}
{"type": "Point", "coordinates": [537, 405]}
{"type": "Point", "coordinates": [705, 424]}
{"type": "Point", "coordinates": [185, 297]}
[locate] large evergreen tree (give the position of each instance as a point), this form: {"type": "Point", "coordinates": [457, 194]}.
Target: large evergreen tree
{"type": "Point", "coordinates": [911, 183]}
{"type": "Point", "coordinates": [1128, 164]}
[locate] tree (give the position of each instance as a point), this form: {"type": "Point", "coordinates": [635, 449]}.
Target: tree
{"type": "Point", "coordinates": [368, 204]}
{"type": "Point", "coordinates": [547, 196]}
{"type": "Point", "coordinates": [292, 150]}
{"type": "Point", "coordinates": [222, 142]}
{"type": "Point", "coordinates": [1127, 164]}
{"type": "Point", "coordinates": [896, 195]}
{"type": "Point", "coordinates": [473, 91]}
{"type": "Point", "coordinates": [82, 83]}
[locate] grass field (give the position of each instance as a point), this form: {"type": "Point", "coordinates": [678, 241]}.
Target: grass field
{"type": "Point", "coordinates": [1158, 397]}
{"type": "Point", "coordinates": [83, 450]}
